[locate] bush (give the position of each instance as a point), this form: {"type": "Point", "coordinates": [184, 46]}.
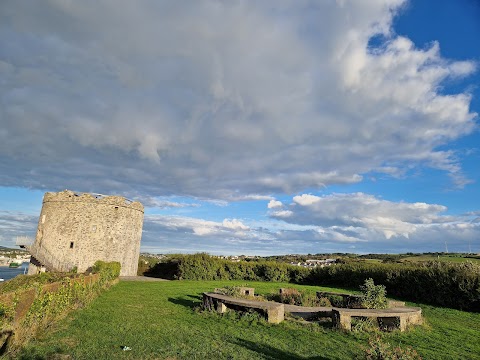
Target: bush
{"type": "Point", "coordinates": [364, 324]}
{"type": "Point", "coordinates": [323, 301]}
{"type": "Point", "coordinates": [295, 297]}
{"type": "Point", "coordinates": [291, 297]}
{"type": "Point", "coordinates": [437, 283]}
{"type": "Point", "coordinates": [373, 296]}
{"type": "Point", "coordinates": [335, 300]}
{"type": "Point", "coordinates": [108, 270]}
{"type": "Point", "coordinates": [379, 350]}
{"type": "Point", "coordinates": [234, 291]}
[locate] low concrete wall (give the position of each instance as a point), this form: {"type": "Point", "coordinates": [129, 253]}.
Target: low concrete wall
{"type": "Point", "coordinates": [403, 316]}
{"type": "Point", "coordinates": [274, 312]}
{"type": "Point", "coordinates": [399, 316]}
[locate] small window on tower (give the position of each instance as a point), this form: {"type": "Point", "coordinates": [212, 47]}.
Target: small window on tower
{"type": "Point", "coordinates": [71, 244]}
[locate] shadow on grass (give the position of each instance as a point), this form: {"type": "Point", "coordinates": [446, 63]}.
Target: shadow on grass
{"type": "Point", "coordinates": [167, 270]}
{"type": "Point", "coordinates": [269, 352]}
{"type": "Point", "coordinates": [187, 302]}
{"type": "Point", "coordinates": [4, 339]}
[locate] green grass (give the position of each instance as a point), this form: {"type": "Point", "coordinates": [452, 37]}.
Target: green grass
{"type": "Point", "coordinates": [448, 258]}
{"type": "Point", "coordinates": [157, 320]}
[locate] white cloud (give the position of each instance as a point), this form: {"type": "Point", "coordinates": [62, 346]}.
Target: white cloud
{"type": "Point", "coordinates": [328, 223]}
{"type": "Point", "coordinates": [306, 199]}
{"type": "Point", "coordinates": [231, 236]}
{"type": "Point", "coordinates": [282, 214]}
{"type": "Point", "coordinates": [201, 227]}
{"type": "Point", "coordinates": [272, 204]}
{"type": "Point", "coordinates": [220, 100]}
{"type": "Point", "coordinates": [13, 224]}
{"type": "Point", "coordinates": [234, 224]}
{"type": "Point", "coordinates": [366, 216]}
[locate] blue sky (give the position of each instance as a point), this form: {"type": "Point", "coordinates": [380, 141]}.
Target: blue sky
{"type": "Point", "coordinates": [246, 127]}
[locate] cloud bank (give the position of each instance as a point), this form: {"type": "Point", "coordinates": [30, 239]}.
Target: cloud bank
{"type": "Point", "coordinates": [379, 224]}
{"type": "Point", "coordinates": [219, 100]}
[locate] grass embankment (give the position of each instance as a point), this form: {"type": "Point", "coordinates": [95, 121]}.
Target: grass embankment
{"type": "Point", "coordinates": [157, 321]}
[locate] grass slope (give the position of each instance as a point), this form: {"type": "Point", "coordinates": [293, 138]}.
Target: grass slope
{"type": "Point", "coordinates": [157, 321]}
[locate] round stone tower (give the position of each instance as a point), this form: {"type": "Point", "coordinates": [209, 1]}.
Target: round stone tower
{"type": "Point", "coordinates": [77, 229]}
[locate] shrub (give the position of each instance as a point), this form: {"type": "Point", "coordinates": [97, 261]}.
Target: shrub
{"type": "Point", "coordinates": [295, 297]}
{"type": "Point", "coordinates": [364, 324]}
{"type": "Point", "coordinates": [379, 350]}
{"type": "Point", "coordinates": [335, 300]}
{"type": "Point", "coordinates": [291, 296]}
{"type": "Point", "coordinates": [234, 291]}
{"type": "Point", "coordinates": [436, 283]}
{"type": "Point", "coordinates": [323, 301]}
{"type": "Point", "coordinates": [108, 270]}
{"type": "Point", "coordinates": [373, 296]}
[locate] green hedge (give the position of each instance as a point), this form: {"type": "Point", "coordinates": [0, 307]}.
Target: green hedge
{"type": "Point", "coordinates": [204, 267]}
{"type": "Point", "coordinates": [455, 285]}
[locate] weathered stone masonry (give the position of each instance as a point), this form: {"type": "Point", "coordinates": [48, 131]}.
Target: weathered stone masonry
{"type": "Point", "coordinates": [75, 230]}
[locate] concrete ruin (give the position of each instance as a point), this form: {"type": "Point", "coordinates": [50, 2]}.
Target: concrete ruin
{"type": "Point", "coordinates": [397, 316]}
{"type": "Point", "coordinates": [77, 229]}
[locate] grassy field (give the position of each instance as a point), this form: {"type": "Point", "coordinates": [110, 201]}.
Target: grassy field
{"type": "Point", "coordinates": [158, 320]}
{"type": "Point", "coordinates": [450, 258]}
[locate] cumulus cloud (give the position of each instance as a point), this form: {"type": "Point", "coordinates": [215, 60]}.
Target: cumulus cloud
{"type": "Point", "coordinates": [286, 235]}
{"type": "Point", "coordinates": [185, 234]}
{"type": "Point", "coordinates": [13, 224]}
{"type": "Point", "coordinates": [201, 227]}
{"type": "Point", "coordinates": [218, 100]}
{"type": "Point", "coordinates": [272, 204]}
{"type": "Point", "coordinates": [378, 223]}
{"type": "Point", "coordinates": [234, 224]}
{"type": "Point", "coordinates": [162, 203]}
{"type": "Point", "coordinates": [306, 199]}
{"type": "Point", "coordinates": [363, 211]}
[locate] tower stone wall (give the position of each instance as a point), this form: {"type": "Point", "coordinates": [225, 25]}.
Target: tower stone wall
{"type": "Point", "coordinates": [77, 229]}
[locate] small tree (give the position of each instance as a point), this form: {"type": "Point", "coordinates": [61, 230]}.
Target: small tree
{"type": "Point", "coordinates": [373, 296]}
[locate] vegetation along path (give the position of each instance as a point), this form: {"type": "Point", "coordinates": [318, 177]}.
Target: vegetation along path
{"type": "Point", "coordinates": [158, 320]}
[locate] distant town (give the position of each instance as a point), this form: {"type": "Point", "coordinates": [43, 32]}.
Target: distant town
{"type": "Point", "coordinates": [323, 260]}
{"type": "Point", "coordinates": [13, 257]}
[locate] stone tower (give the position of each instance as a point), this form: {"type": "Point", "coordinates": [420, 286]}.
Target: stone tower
{"type": "Point", "coordinates": [77, 229]}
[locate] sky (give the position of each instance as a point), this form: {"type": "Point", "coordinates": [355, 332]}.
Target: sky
{"type": "Point", "coordinates": [248, 127]}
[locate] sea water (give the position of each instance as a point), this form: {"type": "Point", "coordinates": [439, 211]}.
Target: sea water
{"type": "Point", "coordinates": [7, 273]}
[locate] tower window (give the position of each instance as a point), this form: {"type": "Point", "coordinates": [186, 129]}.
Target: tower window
{"type": "Point", "coordinates": [71, 244]}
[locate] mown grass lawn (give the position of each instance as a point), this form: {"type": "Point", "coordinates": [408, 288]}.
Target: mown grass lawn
{"type": "Point", "coordinates": [157, 320]}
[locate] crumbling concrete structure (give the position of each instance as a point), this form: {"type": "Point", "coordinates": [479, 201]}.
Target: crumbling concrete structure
{"type": "Point", "coordinates": [77, 229]}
